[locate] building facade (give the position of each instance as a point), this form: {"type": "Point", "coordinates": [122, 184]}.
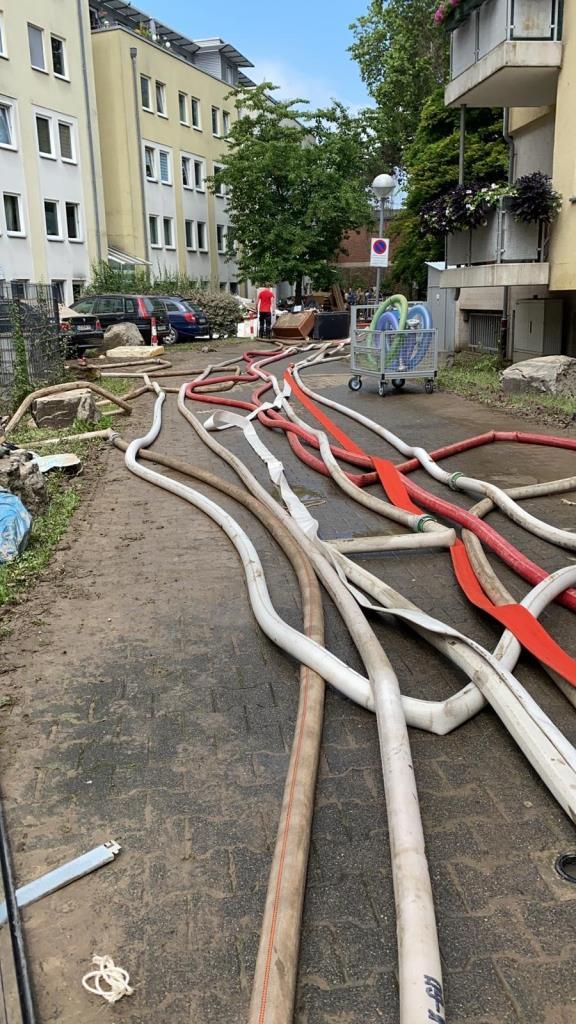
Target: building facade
{"type": "Point", "coordinates": [521, 56]}
{"type": "Point", "coordinates": [164, 112]}
{"type": "Point", "coordinates": [52, 225]}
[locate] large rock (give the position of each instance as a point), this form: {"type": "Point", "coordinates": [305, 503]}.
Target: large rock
{"type": "Point", "coordinates": [122, 334]}
{"type": "Point", "coordinates": [24, 479]}
{"type": "Point", "coordinates": [552, 375]}
{"type": "Point", "coordinates": [62, 410]}
{"type": "Point", "coordinates": [145, 352]}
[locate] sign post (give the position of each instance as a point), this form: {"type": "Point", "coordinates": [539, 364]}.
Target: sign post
{"type": "Point", "coordinates": [379, 252]}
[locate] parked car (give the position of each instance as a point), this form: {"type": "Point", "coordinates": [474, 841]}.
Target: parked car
{"type": "Point", "coordinates": [79, 330]}
{"type": "Point", "coordinates": [187, 320]}
{"type": "Point", "coordinates": [132, 309]}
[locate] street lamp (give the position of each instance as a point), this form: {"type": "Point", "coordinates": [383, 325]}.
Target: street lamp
{"type": "Point", "coordinates": [382, 186]}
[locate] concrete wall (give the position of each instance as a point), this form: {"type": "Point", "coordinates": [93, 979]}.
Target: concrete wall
{"type": "Point", "coordinates": [563, 247]}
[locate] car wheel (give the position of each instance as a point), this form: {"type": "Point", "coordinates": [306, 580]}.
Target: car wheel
{"type": "Point", "coordinates": [171, 337]}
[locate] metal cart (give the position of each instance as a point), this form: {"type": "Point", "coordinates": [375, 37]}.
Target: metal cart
{"type": "Point", "coordinates": [393, 356]}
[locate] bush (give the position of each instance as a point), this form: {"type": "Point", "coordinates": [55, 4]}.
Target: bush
{"type": "Point", "coordinates": [222, 309]}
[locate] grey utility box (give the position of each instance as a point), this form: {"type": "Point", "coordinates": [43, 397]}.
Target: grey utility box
{"type": "Point", "coordinates": [537, 328]}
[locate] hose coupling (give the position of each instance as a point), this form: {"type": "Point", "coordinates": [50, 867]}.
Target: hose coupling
{"type": "Point", "coordinates": [112, 436]}
{"type": "Point", "coordinates": [422, 523]}
{"type": "Point", "coordinates": [452, 483]}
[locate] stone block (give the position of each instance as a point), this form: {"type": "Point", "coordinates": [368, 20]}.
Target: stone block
{"type": "Point", "coordinates": [23, 478]}
{"type": "Point", "coordinates": [62, 410]}
{"type": "Point", "coordinates": [143, 352]}
{"type": "Point", "coordinates": [123, 334]}
{"type": "Point", "coordinates": [551, 375]}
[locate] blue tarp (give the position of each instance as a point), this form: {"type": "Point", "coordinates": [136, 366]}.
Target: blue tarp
{"type": "Point", "coordinates": [15, 523]}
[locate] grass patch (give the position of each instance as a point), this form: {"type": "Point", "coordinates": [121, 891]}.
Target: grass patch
{"type": "Point", "coordinates": [478, 377]}
{"type": "Point", "coordinates": [47, 530]}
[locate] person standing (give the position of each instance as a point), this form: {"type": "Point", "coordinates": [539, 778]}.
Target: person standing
{"type": "Point", "coordinates": [266, 303]}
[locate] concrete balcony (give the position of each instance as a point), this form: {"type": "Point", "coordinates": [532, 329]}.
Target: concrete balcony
{"type": "Point", "coordinates": [505, 53]}
{"type": "Point", "coordinates": [502, 252]}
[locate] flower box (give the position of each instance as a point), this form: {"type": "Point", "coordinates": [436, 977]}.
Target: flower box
{"type": "Point", "coordinates": [454, 14]}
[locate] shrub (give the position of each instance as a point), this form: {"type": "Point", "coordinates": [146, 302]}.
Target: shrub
{"type": "Point", "coordinates": [223, 310]}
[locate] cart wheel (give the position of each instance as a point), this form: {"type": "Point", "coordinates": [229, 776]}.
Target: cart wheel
{"type": "Point", "coordinates": [355, 383]}
{"type": "Point", "coordinates": [429, 387]}
{"type": "Point", "coordinates": [381, 389]}
{"type": "Point", "coordinates": [398, 384]}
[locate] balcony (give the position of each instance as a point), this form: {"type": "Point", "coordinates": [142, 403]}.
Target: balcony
{"type": "Point", "coordinates": [503, 252]}
{"type": "Point", "coordinates": [504, 53]}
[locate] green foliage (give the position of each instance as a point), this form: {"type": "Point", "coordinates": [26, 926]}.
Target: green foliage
{"type": "Point", "coordinates": [402, 58]}
{"type": "Point", "coordinates": [432, 167]}
{"type": "Point", "coordinates": [21, 385]}
{"type": "Point", "coordinates": [295, 182]}
{"type": "Point", "coordinates": [224, 312]}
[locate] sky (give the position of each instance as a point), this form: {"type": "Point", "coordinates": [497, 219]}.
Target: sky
{"type": "Point", "coordinates": [302, 49]}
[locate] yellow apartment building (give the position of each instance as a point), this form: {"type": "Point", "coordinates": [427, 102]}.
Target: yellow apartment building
{"type": "Point", "coordinates": [521, 55]}
{"type": "Point", "coordinates": [52, 225]}
{"type": "Point", "coordinates": [164, 113]}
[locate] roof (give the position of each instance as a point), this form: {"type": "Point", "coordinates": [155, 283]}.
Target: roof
{"type": "Point", "coordinates": [124, 259]}
{"type": "Point", "coordinates": [226, 49]}
{"type": "Point", "coordinates": [133, 18]}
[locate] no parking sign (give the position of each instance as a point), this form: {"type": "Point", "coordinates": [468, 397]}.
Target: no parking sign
{"type": "Point", "coordinates": [379, 252]}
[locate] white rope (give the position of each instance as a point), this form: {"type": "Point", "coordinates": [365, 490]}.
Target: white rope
{"type": "Point", "coordinates": [115, 977]}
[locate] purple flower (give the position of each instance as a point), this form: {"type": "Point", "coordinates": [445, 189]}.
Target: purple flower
{"type": "Point", "coordinates": [439, 15]}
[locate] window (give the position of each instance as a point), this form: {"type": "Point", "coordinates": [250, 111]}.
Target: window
{"type": "Point", "coordinates": [58, 290]}
{"type": "Point", "coordinates": [150, 163]}
{"type": "Point", "coordinates": [145, 92]}
{"type": "Point", "coordinates": [189, 232]}
{"type": "Point", "coordinates": [161, 99]}
{"type": "Point", "coordinates": [153, 228]}
{"type": "Point", "coordinates": [229, 74]}
{"type": "Point", "coordinates": [86, 305]}
{"type": "Point", "coordinates": [225, 123]}
{"type": "Point", "coordinates": [187, 172]}
{"type": "Point", "coordinates": [52, 218]}
{"type": "Point", "coordinates": [58, 57]}
{"type": "Point", "coordinates": [219, 189]}
{"type": "Point", "coordinates": [196, 122]}
{"type": "Point", "coordinates": [130, 306]}
{"type": "Point", "coordinates": [77, 290]}
{"type": "Point", "coordinates": [215, 121]}
{"type": "Point", "coordinates": [165, 169]}
{"type": "Point", "coordinates": [36, 44]}
{"type": "Point", "coordinates": [168, 232]}
{"type": "Point", "coordinates": [233, 287]}
{"type": "Point", "coordinates": [199, 175]}
{"type": "Point", "coordinates": [13, 214]}
{"type": "Point", "coordinates": [2, 37]}
{"type": "Point", "coordinates": [202, 236]}
{"type": "Point", "coordinates": [221, 238]}
{"type": "Point", "coordinates": [183, 107]}
{"type": "Point", "coordinates": [6, 131]}
{"type": "Point", "coordinates": [44, 135]}
{"type": "Point", "coordinates": [66, 142]}
{"type": "Point", "coordinates": [73, 221]}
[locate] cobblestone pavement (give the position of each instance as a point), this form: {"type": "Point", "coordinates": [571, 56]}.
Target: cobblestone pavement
{"type": "Point", "coordinates": [149, 707]}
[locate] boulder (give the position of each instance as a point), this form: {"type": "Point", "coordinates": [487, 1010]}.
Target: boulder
{"type": "Point", "coordinates": [145, 352]}
{"type": "Point", "coordinates": [62, 410]}
{"type": "Point", "coordinates": [122, 334]}
{"type": "Point", "coordinates": [23, 478]}
{"type": "Point", "coordinates": [552, 375]}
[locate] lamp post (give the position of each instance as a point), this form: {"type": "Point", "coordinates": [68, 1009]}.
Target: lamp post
{"type": "Point", "coordinates": [382, 186]}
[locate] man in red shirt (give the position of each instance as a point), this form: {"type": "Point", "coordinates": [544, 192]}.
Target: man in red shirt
{"type": "Point", "coordinates": [266, 302]}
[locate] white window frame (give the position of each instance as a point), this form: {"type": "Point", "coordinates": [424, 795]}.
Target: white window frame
{"type": "Point", "coordinates": [53, 238]}
{"type": "Point", "coordinates": [162, 87]}
{"type": "Point", "coordinates": [45, 117]}
{"type": "Point", "coordinates": [217, 133]}
{"type": "Point", "coordinates": [146, 78]}
{"type": "Point", "coordinates": [202, 248]}
{"type": "Point", "coordinates": [36, 67]}
{"type": "Point", "coordinates": [221, 193]}
{"type": "Point", "coordinates": [152, 150]}
{"type": "Point", "coordinates": [80, 236]}
{"type": "Point", "coordinates": [169, 180]}
{"type": "Point", "coordinates": [170, 221]}
{"type": "Point", "coordinates": [195, 100]}
{"type": "Point", "coordinates": [184, 158]}
{"type": "Point", "coordinates": [18, 198]}
{"type": "Point", "coordinates": [225, 123]}
{"type": "Point", "coordinates": [183, 104]}
{"type": "Point", "coordinates": [221, 233]}
{"type": "Point", "coordinates": [3, 48]}
{"type": "Point", "coordinates": [67, 159]}
{"type": "Point", "coordinates": [201, 164]}
{"type": "Point", "coordinates": [156, 218]}
{"type": "Point", "coordinates": [65, 76]}
{"type": "Point", "coordinates": [193, 247]}
{"type": "Point", "coordinates": [11, 108]}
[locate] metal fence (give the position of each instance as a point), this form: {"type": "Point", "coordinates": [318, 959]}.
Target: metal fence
{"type": "Point", "coordinates": [485, 332]}
{"type": "Point", "coordinates": [30, 341]}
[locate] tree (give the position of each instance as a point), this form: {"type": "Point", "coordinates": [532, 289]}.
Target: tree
{"type": "Point", "coordinates": [403, 57]}
{"type": "Point", "coordinates": [432, 169]}
{"type": "Point", "coordinates": [295, 183]}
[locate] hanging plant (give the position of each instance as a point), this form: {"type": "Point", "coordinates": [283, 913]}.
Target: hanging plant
{"type": "Point", "coordinates": [535, 199]}
{"type": "Point", "coordinates": [450, 13]}
{"type": "Point", "coordinates": [531, 199]}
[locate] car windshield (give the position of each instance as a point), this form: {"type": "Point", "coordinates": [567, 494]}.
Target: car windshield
{"type": "Point", "coordinates": [153, 304]}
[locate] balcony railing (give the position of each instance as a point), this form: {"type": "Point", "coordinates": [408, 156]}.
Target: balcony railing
{"type": "Point", "coordinates": [492, 22]}
{"type": "Point", "coordinates": [501, 240]}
